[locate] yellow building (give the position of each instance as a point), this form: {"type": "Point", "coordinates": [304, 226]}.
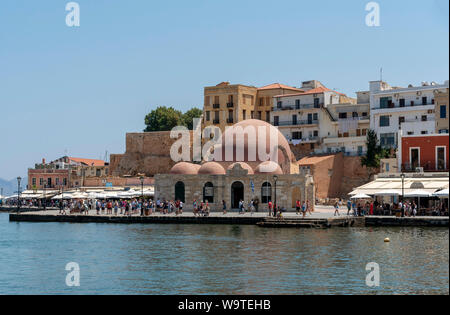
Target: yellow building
{"type": "Point", "coordinates": [227, 104]}
{"type": "Point", "coordinates": [441, 103]}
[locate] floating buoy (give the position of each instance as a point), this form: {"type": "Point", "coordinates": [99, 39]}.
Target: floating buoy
{"type": "Point", "coordinates": [387, 240]}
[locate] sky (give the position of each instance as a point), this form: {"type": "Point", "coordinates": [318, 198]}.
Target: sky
{"type": "Point", "coordinates": [78, 90]}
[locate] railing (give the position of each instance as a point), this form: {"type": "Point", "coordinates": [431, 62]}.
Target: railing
{"type": "Point", "coordinates": [428, 167]}
{"type": "Point", "coordinates": [216, 105]}
{"type": "Point", "coordinates": [304, 139]}
{"type": "Point", "coordinates": [229, 105]}
{"type": "Point", "coordinates": [354, 118]}
{"type": "Point", "coordinates": [403, 106]}
{"type": "Point", "coordinates": [296, 123]}
{"type": "Point", "coordinates": [298, 107]}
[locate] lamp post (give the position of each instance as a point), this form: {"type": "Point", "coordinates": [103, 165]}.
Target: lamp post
{"type": "Point", "coordinates": [18, 193]}
{"type": "Point", "coordinates": [275, 179]}
{"type": "Point", "coordinates": [142, 178]}
{"type": "Point", "coordinates": [402, 175]}
{"type": "Point", "coordinates": [45, 200]}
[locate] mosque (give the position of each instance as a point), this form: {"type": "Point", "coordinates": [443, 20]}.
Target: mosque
{"type": "Point", "coordinates": [243, 176]}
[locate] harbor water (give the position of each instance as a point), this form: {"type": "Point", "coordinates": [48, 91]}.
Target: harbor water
{"type": "Point", "coordinates": [219, 259]}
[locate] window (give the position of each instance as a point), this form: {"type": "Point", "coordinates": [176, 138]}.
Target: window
{"type": "Point", "coordinates": [386, 102]}
{"type": "Point", "coordinates": [388, 140]}
{"type": "Point", "coordinates": [424, 118]}
{"type": "Point", "coordinates": [412, 103]}
{"type": "Point", "coordinates": [208, 192]}
{"type": "Point", "coordinates": [384, 121]}
{"type": "Point", "coordinates": [33, 181]}
{"type": "Point", "coordinates": [64, 181]}
{"type": "Point", "coordinates": [294, 119]}
{"type": "Point", "coordinates": [279, 104]}
{"type": "Point", "coordinates": [57, 181]}
{"type": "Point", "coordinates": [440, 158]}
{"type": "Point", "coordinates": [266, 192]}
{"type": "Point", "coordinates": [252, 114]}
{"type": "Point", "coordinates": [216, 100]}
{"type": "Point", "coordinates": [49, 182]}
{"type": "Point", "coordinates": [316, 133]}
{"type": "Point", "coordinates": [360, 150]}
{"type": "Point", "coordinates": [342, 115]}
{"type": "Point", "coordinates": [244, 114]}
{"type": "Point", "coordinates": [41, 181]}
{"type": "Point", "coordinates": [424, 132]}
{"type": "Point", "coordinates": [297, 104]}
{"type": "Point", "coordinates": [296, 135]}
{"type": "Point", "coordinates": [268, 116]}
{"type": "Point", "coordinates": [414, 157]}
{"type": "Point", "coordinates": [401, 120]}
{"type": "Point", "coordinates": [316, 103]}
{"type": "Point", "coordinates": [276, 120]}
{"type": "Point", "coordinates": [207, 100]}
{"type": "Point", "coordinates": [208, 116]}
{"type": "Point", "coordinates": [355, 115]}
{"type": "Point", "coordinates": [358, 132]}
{"type": "Point", "coordinates": [443, 111]}
{"type": "Point", "coordinates": [364, 132]}
{"type": "Point", "coordinates": [424, 100]}
{"type": "Point", "coordinates": [364, 114]}
{"type": "Point", "coordinates": [387, 167]}
{"type": "Point", "coordinates": [402, 102]}
{"type": "Point", "coordinates": [410, 133]}
{"type": "Point", "coordinates": [261, 101]}
{"type": "Point", "coordinates": [443, 131]}
{"type": "Point", "coordinates": [315, 116]}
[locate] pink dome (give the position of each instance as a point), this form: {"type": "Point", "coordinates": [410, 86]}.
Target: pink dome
{"type": "Point", "coordinates": [244, 165]}
{"type": "Point", "coordinates": [184, 168]}
{"type": "Point", "coordinates": [269, 168]}
{"type": "Point", "coordinates": [284, 153]}
{"type": "Point", "coordinates": [211, 168]}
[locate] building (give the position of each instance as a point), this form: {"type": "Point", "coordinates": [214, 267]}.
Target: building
{"type": "Point", "coordinates": [345, 128]}
{"type": "Point", "coordinates": [410, 109]}
{"type": "Point", "coordinates": [305, 118]}
{"type": "Point", "coordinates": [240, 178]}
{"type": "Point", "coordinates": [226, 104]}
{"type": "Point", "coordinates": [418, 153]}
{"type": "Point", "coordinates": [67, 172]}
{"type": "Point", "coordinates": [441, 101]}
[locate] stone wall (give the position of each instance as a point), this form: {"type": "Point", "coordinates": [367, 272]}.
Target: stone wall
{"type": "Point", "coordinates": [146, 153]}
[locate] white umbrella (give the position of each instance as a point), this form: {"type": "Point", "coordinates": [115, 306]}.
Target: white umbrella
{"type": "Point", "coordinates": [418, 193]}
{"type": "Point", "coordinates": [111, 194]}
{"type": "Point", "coordinates": [360, 196]}
{"type": "Point", "coordinates": [441, 194]}
{"type": "Point", "coordinates": [100, 196]}
{"type": "Point", "coordinates": [79, 195]}
{"type": "Point", "coordinates": [59, 197]}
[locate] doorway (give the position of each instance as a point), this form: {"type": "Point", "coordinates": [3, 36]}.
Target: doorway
{"type": "Point", "coordinates": [180, 192]}
{"type": "Point", "coordinates": [237, 194]}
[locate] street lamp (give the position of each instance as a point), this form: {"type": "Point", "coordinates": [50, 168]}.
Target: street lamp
{"type": "Point", "coordinates": [275, 179]}
{"type": "Point", "coordinates": [18, 193]}
{"type": "Point", "coordinates": [142, 186]}
{"type": "Point", "coordinates": [402, 175]}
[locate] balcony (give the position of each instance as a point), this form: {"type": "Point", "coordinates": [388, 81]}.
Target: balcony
{"type": "Point", "coordinates": [230, 105]}
{"type": "Point", "coordinates": [406, 106]}
{"type": "Point", "coordinates": [216, 105]}
{"type": "Point", "coordinates": [428, 167]}
{"type": "Point", "coordinates": [298, 107]}
{"type": "Point", "coordinates": [296, 123]}
{"type": "Point", "coordinates": [304, 140]}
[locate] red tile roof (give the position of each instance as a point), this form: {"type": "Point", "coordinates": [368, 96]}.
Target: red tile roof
{"type": "Point", "coordinates": [279, 86]}
{"type": "Point", "coordinates": [89, 162]}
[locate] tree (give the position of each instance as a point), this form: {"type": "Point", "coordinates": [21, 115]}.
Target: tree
{"type": "Point", "coordinates": [374, 153]}
{"type": "Point", "coordinates": [187, 118]}
{"type": "Point", "coordinates": [163, 119]}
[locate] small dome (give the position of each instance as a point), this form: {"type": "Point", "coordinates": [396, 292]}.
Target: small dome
{"type": "Point", "coordinates": [245, 166]}
{"type": "Point", "coordinates": [211, 168]}
{"type": "Point", "coordinates": [184, 168]}
{"type": "Point", "coordinates": [269, 167]}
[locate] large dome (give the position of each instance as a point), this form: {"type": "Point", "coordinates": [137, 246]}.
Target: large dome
{"type": "Point", "coordinates": [212, 168]}
{"type": "Point", "coordinates": [242, 143]}
{"type": "Point", "coordinates": [184, 168]}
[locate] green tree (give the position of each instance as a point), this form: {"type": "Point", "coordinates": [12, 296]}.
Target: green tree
{"type": "Point", "coordinates": [163, 119]}
{"type": "Point", "coordinates": [187, 118]}
{"type": "Point", "coordinates": [374, 153]}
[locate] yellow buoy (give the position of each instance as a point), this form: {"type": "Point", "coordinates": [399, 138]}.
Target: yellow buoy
{"type": "Point", "coordinates": [387, 240]}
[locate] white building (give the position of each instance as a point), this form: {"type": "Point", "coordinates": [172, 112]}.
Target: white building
{"type": "Point", "coordinates": [299, 115]}
{"type": "Point", "coordinates": [410, 109]}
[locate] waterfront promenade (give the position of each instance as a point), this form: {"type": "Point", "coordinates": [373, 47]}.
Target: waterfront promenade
{"type": "Point", "coordinates": [322, 217]}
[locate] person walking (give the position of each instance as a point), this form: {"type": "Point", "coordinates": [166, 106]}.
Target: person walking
{"type": "Point", "coordinates": [349, 207]}
{"type": "Point", "coordinates": [270, 205]}
{"type": "Point", "coordinates": [336, 208]}
{"type": "Point", "coordinates": [297, 207]}
{"type": "Point", "coordinates": [224, 207]}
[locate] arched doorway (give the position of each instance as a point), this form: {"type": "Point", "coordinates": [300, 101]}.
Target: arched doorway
{"type": "Point", "coordinates": [180, 191]}
{"type": "Point", "coordinates": [208, 192]}
{"type": "Point", "coordinates": [266, 192]}
{"type": "Point", "coordinates": [237, 194]}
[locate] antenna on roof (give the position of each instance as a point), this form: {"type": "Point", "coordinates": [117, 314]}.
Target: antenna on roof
{"type": "Point", "coordinates": [381, 74]}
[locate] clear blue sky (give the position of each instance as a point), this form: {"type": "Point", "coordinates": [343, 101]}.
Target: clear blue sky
{"type": "Point", "coordinates": [81, 89]}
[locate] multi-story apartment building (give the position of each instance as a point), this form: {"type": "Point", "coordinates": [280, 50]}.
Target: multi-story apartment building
{"type": "Point", "coordinates": [410, 109]}
{"type": "Point", "coordinates": [227, 104]}
{"type": "Point", "coordinates": [299, 115]}
{"type": "Point", "coordinates": [441, 101]}
{"type": "Point", "coordinates": [345, 129]}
